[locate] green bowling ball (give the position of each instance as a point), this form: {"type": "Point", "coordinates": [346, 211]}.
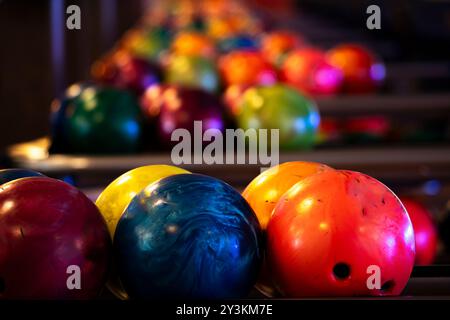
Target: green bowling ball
{"type": "Point", "coordinates": [102, 120]}
{"type": "Point", "coordinates": [192, 72]}
{"type": "Point", "coordinates": [147, 44]}
{"type": "Point", "coordinates": [284, 108]}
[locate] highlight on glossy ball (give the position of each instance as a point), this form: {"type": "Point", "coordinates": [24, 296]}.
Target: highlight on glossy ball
{"type": "Point", "coordinates": [7, 175]}
{"type": "Point", "coordinates": [329, 230]}
{"type": "Point", "coordinates": [188, 236]}
{"type": "Point", "coordinates": [193, 72]}
{"type": "Point", "coordinates": [116, 197]}
{"type": "Point", "coordinates": [193, 44]}
{"type": "Point", "coordinates": [267, 188]}
{"type": "Point", "coordinates": [284, 108]}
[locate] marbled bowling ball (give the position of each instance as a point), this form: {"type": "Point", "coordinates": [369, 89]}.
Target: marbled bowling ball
{"type": "Point", "coordinates": [284, 108]}
{"type": "Point", "coordinates": [49, 231]}
{"type": "Point", "coordinates": [179, 107]}
{"type": "Point", "coordinates": [125, 71]}
{"type": "Point", "coordinates": [7, 175]}
{"type": "Point", "coordinates": [193, 72]}
{"type": "Point", "coordinates": [188, 236]}
{"type": "Point", "coordinates": [98, 120]}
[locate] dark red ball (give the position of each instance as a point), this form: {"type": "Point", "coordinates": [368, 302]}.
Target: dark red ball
{"type": "Point", "coordinates": [47, 226]}
{"type": "Point", "coordinates": [180, 107]}
{"type": "Point", "coordinates": [125, 71]}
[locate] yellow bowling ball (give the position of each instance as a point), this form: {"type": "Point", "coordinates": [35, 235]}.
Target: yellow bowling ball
{"type": "Point", "coordinates": [113, 201]}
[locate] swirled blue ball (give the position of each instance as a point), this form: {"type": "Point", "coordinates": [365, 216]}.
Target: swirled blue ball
{"type": "Point", "coordinates": [188, 236]}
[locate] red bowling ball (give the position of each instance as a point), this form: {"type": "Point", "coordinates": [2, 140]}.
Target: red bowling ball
{"type": "Point", "coordinates": [363, 73]}
{"type": "Point", "coordinates": [309, 71]}
{"type": "Point", "coordinates": [425, 231]}
{"type": "Point", "coordinates": [125, 71]}
{"type": "Point", "coordinates": [330, 231]}
{"type": "Point", "coordinates": [48, 229]}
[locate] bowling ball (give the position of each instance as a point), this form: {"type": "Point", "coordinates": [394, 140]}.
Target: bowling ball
{"type": "Point", "coordinates": [193, 72]}
{"type": "Point", "coordinates": [99, 120]}
{"type": "Point", "coordinates": [275, 45]}
{"type": "Point", "coordinates": [232, 98]}
{"type": "Point", "coordinates": [266, 189]}
{"type": "Point", "coordinates": [147, 44]}
{"type": "Point", "coordinates": [7, 175]}
{"type": "Point", "coordinates": [284, 108]}
{"type": "Point", "coordinates": [263, 193]}
{"type": "Point", "coordinates": [309, 71]}
{"type": "Point", "coordinates": [331, 228]}
{"type": "Point", "coordinates": [193, 44]}
{"type": "Point", "coordinates": [178, 107]}
{"type": "Point", "coordinates": [246, 68]}
{"type": "Point", "coordinates": [239, 42]}
{"type": "Point", "coordinates": [188, 236]}
{"type": "Point", "coordinates": [362, 71]}
{"type": "Point", "coordinates": [58, 116]}
{"type": "Point", "coordinates": [125, 71]}
{"type": "Point", "coordinates": [48, 229]}
{"type": "Point", "coordinates": [117, 195]}
{"type": "Point", "coordinates": [425, 231]}
{"type": "Point", "coordinates": [113, 201]}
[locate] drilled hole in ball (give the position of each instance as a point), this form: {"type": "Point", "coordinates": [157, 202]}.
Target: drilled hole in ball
{"type": "Point", "coordinates": [2, 285]}
{"type": "Point", "coordinates": [341, 271]}
{"type": "Point", "coordinates": [388, 286]}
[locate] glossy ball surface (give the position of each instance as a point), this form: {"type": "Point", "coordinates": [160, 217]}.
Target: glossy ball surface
{"type": "Point", "coordinates": [188, 236]}
{"type": "Point", "coordinates": [363, 73]}
{"type": "Point", "coordinates": [309, 71]}
{"type": "Point", "coordinates": [425, 231]}
{"type": "Point", "coordinates": [192, 72]}
{"type": "Point", "coordinates": [266, 189]}
{"type": "Point", "coordinates": [284, 108]}
{"type": "Point", "coordinates": [239, 42]}
{"type": "Point", "coordinates": [147, 44]}
{"type": "Point", "coordinates": [125, 71]}
{"type": "Point", "coordinates": [177, 107]}
{"type": "Point", "coordinates": [99, 120]}
{"type": "Point", "coordinates": [277, 44]}
{"type": "Point", "coordinates": [113, 201]}
{"type": "Point", "coordinates": [329, 228]}
{"type": "Point", "coordinates": [46, 226]}
{"type": "Point", "coordinates": [246, 68]}
{"type": "Point", "coordinates": [193, 44]}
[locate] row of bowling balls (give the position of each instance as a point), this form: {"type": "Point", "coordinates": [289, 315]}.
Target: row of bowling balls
{"type": "Point", "coordinates": [299, 229]}
{"type": "Point", "coordinates": [192, 59]}
{"type": "Point", "coordinates": [93, 118]}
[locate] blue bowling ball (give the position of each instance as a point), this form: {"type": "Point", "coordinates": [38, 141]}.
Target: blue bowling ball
{"type": "Point", "coordinates": [240, 42]}
{"type": "Point", "coordinates": [188, 236]}
{"type": "Point", "coordinates": [7, 175]}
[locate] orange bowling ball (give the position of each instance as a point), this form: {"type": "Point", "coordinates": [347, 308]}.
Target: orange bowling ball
{"type": "Point", "coordinates": [267, 188]}
{"type": "Point", "coordinates": [309, 71]}
{"type": "Point", "coordinates": [246, 68]}
{"type": "Point", "coordinates": [193, 44]}
{"type": "Point", "coordinates": [277, 44]}
{"type": "Point", "coordinates": [362, 71]}
{"type": "Point", "coordinates": [340, 233]}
